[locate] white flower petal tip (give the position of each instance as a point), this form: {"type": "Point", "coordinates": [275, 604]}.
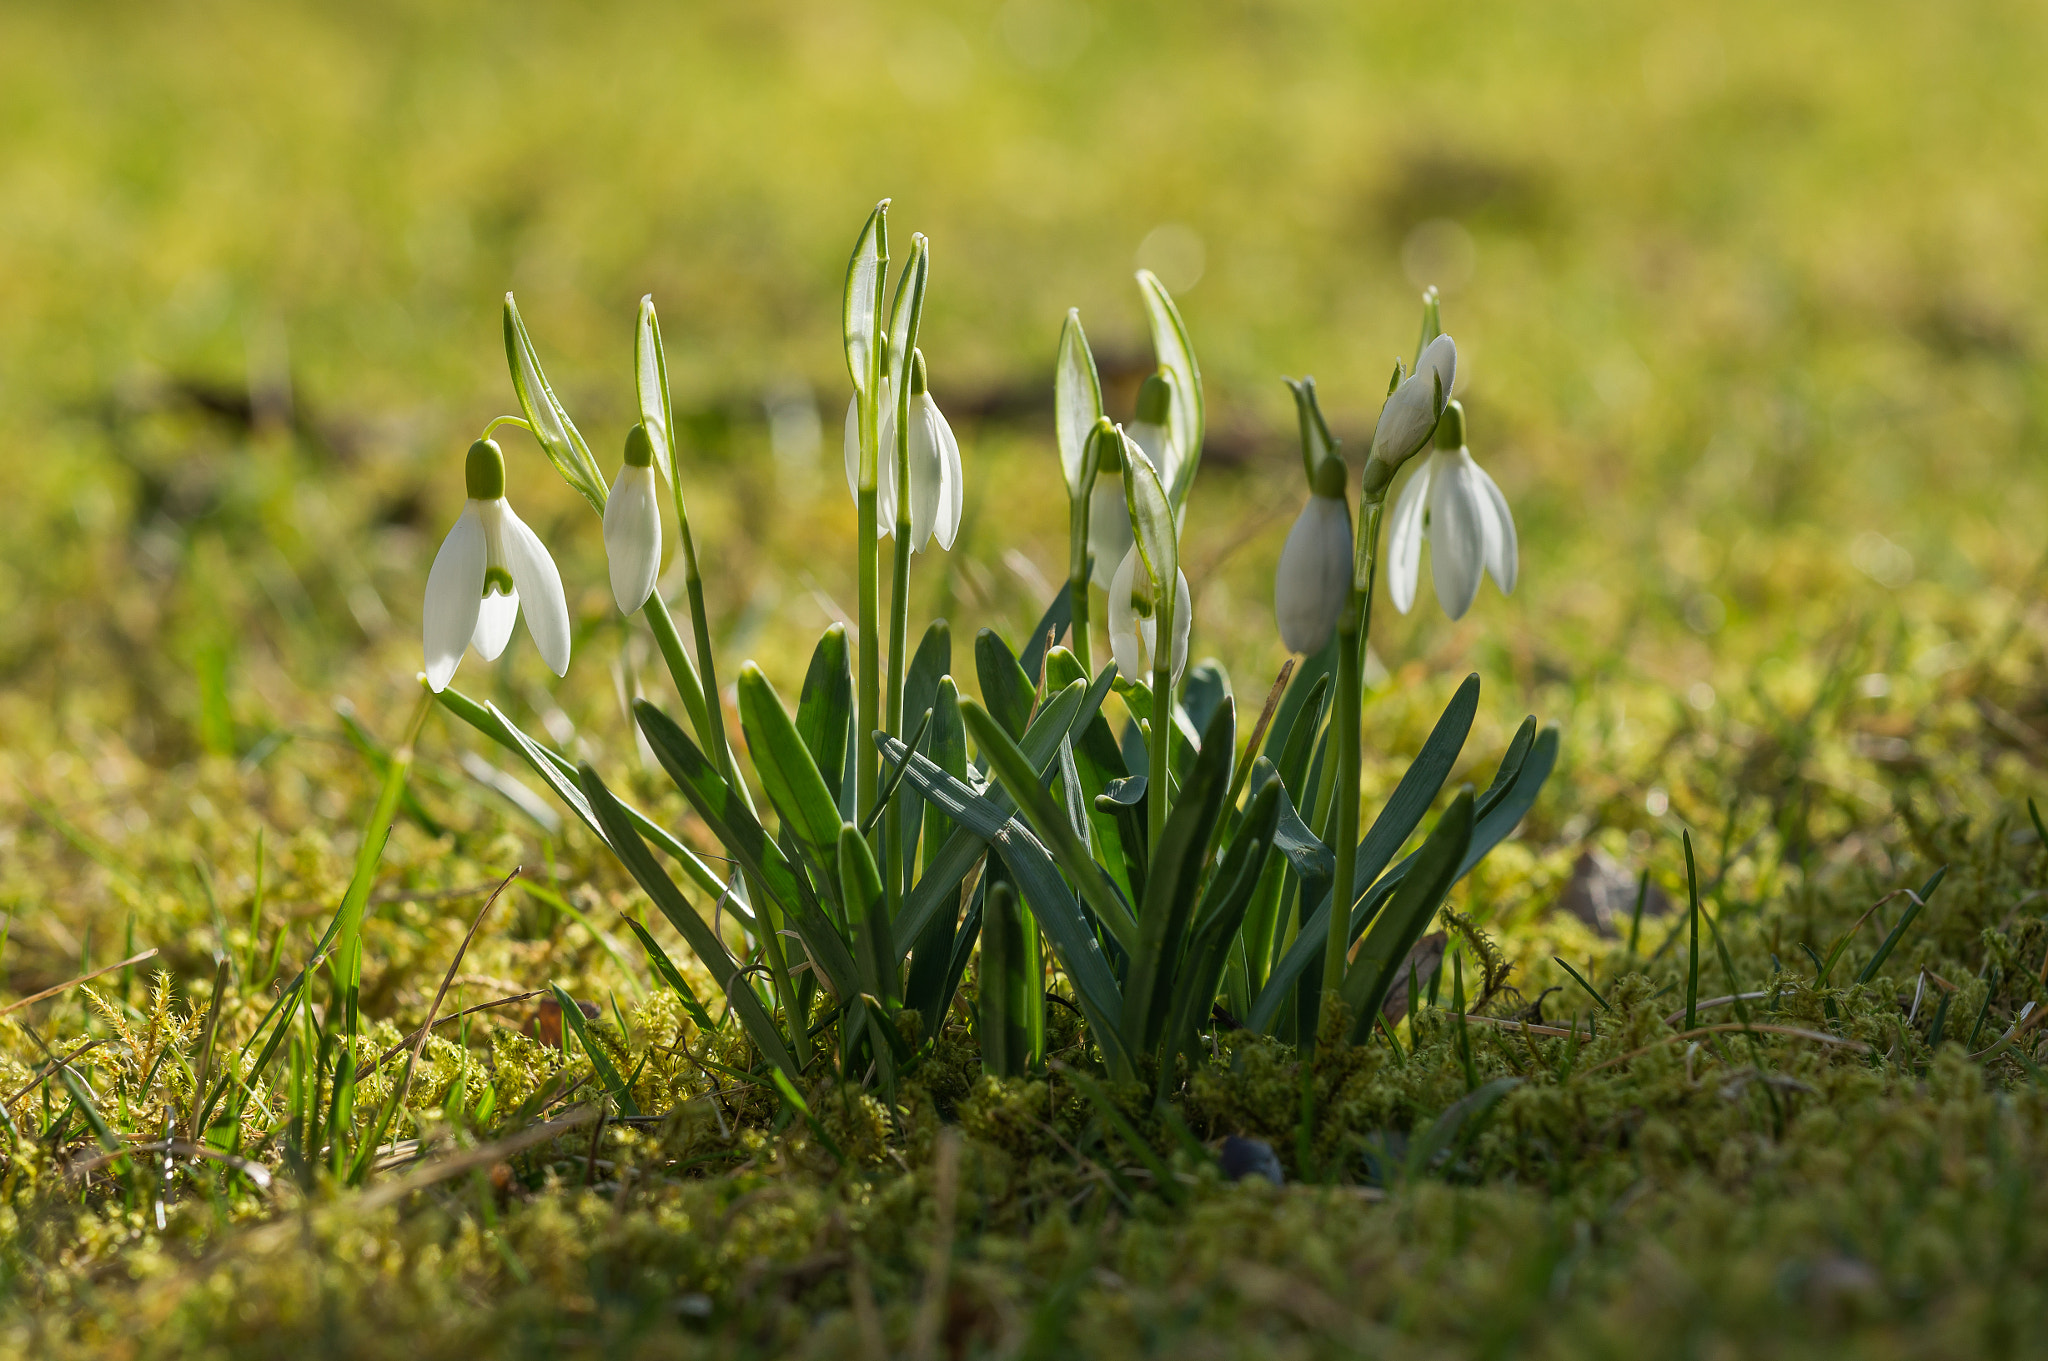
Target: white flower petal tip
{"type": "Point", "coordinates": [632, 537]}
{"type": "Point", "coordinates": [1313, 583]}
{"type": "Point", "coordinates": [1404, 542]}
{"type": "Point", "coordinates": [454, 596]}
{"type": "Point", "coordinates": [1134, 637]}
{"type": "Point", "coordinates": [496, 613]}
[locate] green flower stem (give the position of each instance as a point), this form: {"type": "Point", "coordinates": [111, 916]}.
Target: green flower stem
{"type": "Point", "coordinates": [1160, 748]}
{"type": "Point", "coordinates": [1077, 577]}
{"type": "Point", "coordinates": [680, 669]}
{"type": "Point", "coordinates": [1352, 631]}
{"type": "Point", "coordinates": [899, 636]}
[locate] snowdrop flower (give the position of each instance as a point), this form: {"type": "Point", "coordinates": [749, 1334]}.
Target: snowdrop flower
{"type": "Point", "coordinates": [1411, 412]}
{"type": "Point", "coordinates": [485, 564]}
{"type": "Point", "coordinates": [936, 486]}
{"type": "Point", "coordinates": [1314, 581]}
{"type": "Point", "coordinates": [1452, 502]}
{"type": "Point", "coordinates": [1149, 430]}
{"type": "Point", "coordinates": [632, 525]}
{"type": "Point", "coordinates": [1134, 624]}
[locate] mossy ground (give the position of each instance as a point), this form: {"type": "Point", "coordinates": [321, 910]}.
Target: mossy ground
{"type": "Point", "coordinates": [1750, 300]}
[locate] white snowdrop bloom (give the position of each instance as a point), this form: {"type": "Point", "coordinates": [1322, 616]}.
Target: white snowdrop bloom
{"type": "Point", "coordinates": [935, 481]}
{"type": "Point", "coordinates": [489, 560]}
{"type": "Point", "coordinates": [632, 525]}
{"type": "Point", "coordinates": [1453, 503]}
{"type": "Point", "coordinates": [937, 490]}
{"type": "Point", "coordinates": [1314, 581]}
{"type": "Point", "coordinates": [1134, 624]}
{"type": "Point", "coordinates": [1413, 408]}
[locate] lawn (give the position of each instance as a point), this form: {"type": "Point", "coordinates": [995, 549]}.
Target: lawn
{"type": "Point", "coordinates": [1748, 308]}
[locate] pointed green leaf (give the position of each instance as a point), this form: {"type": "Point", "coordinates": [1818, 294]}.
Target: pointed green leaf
{"type": "Point", "coordinates": [665, 969]}
{"type": "Point", "coordinates": [1006, 691]}
{"type": "Point", "coordinates": [791, 777]}
{"type": "Point", "coordinates": [1400, 924]}
{"type": "Point", "coordinates": [600, 1062]}
{"type": "Point", "coordinates": [860, 884]}
{"type": "Point", "coordinates": [663, 893]}
{"type": "Point", "coordinates": [824, 710]}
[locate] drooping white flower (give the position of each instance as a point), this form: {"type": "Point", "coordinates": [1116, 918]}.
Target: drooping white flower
{"type": "Point", "coordinates": [1453, 503]}
{"type": "Point", "coordinates": [489, 560]}
{"type": "Point", "coordinates": [937, 490]}
{"type": "Point", "coordinates": [1413, 408]}
{"type": "Point", "coordinates": [632, 525]}
{"type": "Point", "coordinates": [1314, 581]}
{"type": "Point", "coordinates": [1134, 623]}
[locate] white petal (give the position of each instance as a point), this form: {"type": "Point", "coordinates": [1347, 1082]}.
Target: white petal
{"type": "Point", "coordinates": [1109, 527]}
{"type": "Point", "coordinates": [927, 469]}
{"type": "Point", "coordinates": [632, 537]}
{"type": "Point", "coordinates": [1404, 540]}
{"type": "Point", "coordinates": [954, 493]}
{"type": "Point", "coordinates": [1133, 657]}
{"type": "Point", "coordinates": [1313, 583]}
{"type": "Point", "coordinates": [540, 587]}
{"type": "Point", "coordinates": [496, 613]}
{"type": "Point", "coordinates": [1457, 533]}
{"type": "Point", "coordinates": [454, 584]}
{"type": "Point", "coordinates": [1503, 552]}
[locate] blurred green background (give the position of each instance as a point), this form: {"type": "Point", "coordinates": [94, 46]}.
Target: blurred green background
{"type": "Point", "coordinates": [1747, 296]}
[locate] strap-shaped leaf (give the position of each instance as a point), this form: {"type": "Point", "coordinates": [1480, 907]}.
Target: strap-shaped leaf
{"type": "Point", "coordinates": [824, 708]}
{"type": "Point", "coordinates": [1221, 913]}
{"type": "Point", "coordinates": [558, 436]}
{"type": "Point", "coordinates": [558, 772]}
{"type": "Point", "coordinates": [929, 665]}
{"type": "Point", "coordinates": [1177, 355]}
{"type": "Point", "coordinates": [1314, 863]}
{"type": "Point", "coordinates": [1395, 929]}
{"type": "Point", "coordinates": [1006, 691]}
{"type": "Point", "coordinates": [860, 886]}
{"type": "Point", "coordinates": [665, 969]}
{"type": "Point", "coordinates": [600, 1062]}
{"type": "Point", "coordinates": [791, 777]}
{"type": "Point", "coordinates": [650, 383]}
{"type": "Point", "coordinates": [1031, 866]}
{"type": "Point", "coordinates": [1498, 811]}
{"type": "Point", "coordinates": [1025, 783]}
{"type": "Point", "coordinates": [734, 824]}
{"type": "Point", "coordinates": [663, 893]}
{"type": "Point", "coordinates": [1076, 404]}
{"type": "Point", "coordinates": [862, 298]}
{"type": "Point", "coordinates": [945, 868]}
{"type": "Point", "coordinates": [1172, 880]}
{"type": "Point", "coordinates": [927, 989]}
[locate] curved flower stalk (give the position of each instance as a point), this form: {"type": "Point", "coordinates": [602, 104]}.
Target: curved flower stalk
{"type": "Point", "coordinates": [1454, 504]}
{"type": "Point", "coordinates": [489, 560]}
{"type": "Point", "coordinates": [632, 525]}
{"type": "Point", "coordinates": [1313, 583]}
{"type": "Point", "coordinates": [1134, 619]}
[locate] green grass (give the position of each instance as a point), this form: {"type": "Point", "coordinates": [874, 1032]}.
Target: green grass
{"type": "Point", "coordinates": [1750, 333]}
